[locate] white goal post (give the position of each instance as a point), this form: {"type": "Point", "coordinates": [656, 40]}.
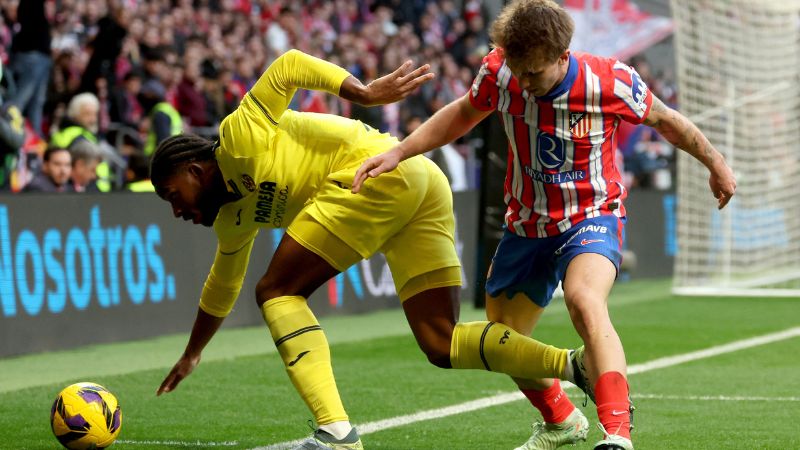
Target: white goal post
{"type": "Point", "coordinates": [738, 63]}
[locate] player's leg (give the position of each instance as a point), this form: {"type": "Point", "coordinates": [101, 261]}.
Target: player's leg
{"type": "Point", "coordinates": [483, 345]}
{"type": "Point", "coordinates": [331, 233]}
{"type": "Point", "coordinates": [562, 424]}
{"type": "Point", "coordinates": [425, 267]}
{"type": "Point", "coordinates": [307, 256]}
{"type": "Point", "coordinates": [592, 265]}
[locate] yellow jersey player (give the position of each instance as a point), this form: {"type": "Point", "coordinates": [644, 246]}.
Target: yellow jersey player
{"type": "Point", "coordinates": [273, 167]}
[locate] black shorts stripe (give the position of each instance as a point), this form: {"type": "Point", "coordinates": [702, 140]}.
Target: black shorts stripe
{"type": "Point", "coordinates": [296, 333]}
{"type": "Point", "coordinates": [483, 338]}
{"type": "Point", "coordinates": [261, 107]}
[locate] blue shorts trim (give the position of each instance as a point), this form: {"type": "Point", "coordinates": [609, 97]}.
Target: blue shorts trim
{"type": "Point", "coordinates": [535, 266]}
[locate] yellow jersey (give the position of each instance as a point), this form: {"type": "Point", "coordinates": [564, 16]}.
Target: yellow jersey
{"type": "Point", "coordinates": [274, 159]}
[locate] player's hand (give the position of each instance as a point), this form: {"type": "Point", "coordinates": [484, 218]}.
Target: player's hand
{"type": "Point", "coordinates": [397, 85]}
{"type": "Point", "coordinates": [371, 168]}
{"type": "Point", "coordinates": [723, 185]}
{"type": "Point", "coordinates": [181, 370]}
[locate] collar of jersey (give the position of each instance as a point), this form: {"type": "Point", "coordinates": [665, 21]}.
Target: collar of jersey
{"type": "Point", "coordinates": [566, 83]}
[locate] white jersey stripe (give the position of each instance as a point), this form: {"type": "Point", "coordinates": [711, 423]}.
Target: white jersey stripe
{"type": "Point", "coordinates": [517, 182]}
{"type": "Point", "coordinates": [484, 70]}
{"type": "Point", "coordinates": [503, 78]}
{"type": "Point", "coordinates": [569, 195]}
{"type": "Point", "coordinates": [593, 95]}
{"type": "Point", "coordinates": [540, 206]}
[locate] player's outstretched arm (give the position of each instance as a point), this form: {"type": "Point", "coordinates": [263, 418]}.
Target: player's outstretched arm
{"type": "Point", "coordinates": [388, 88]}
{"type": "Point", "coordinates": [447, 125]}
{"type": "Point", "coordinates": [205, 326]}
{"type": "Point", "coordinates": [296, 70]}
{"type": "Point", "coordinates": [682, 133]}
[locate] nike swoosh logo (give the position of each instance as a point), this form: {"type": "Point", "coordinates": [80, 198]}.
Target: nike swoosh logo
{"type": "Point", "coordinates": [614, 412]}
{"type": "Point", "coordinates": [298, 357]}
{"type": "Point", "coordinates": [590, 241]}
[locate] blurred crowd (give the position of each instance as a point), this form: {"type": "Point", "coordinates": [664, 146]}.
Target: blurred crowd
{"type": "Point", "coordinates": [646, 159]}
{"type": "Point", "coordinates": [89, 87]}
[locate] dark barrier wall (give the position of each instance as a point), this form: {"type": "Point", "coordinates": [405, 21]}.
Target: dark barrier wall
{"type": "Point", "coordinates": [88, 269]}
{"type": "Point", "coordinates": [650, 232]}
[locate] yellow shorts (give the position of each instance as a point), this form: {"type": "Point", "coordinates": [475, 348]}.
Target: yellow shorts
{"type": "Point", "coordinates": [407, 214]}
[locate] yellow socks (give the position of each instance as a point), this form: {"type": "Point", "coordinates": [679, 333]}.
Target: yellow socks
{"type": "Point", "coordinates": [496, 347]}
{"type": "Point", "coordinates": [304, 350]}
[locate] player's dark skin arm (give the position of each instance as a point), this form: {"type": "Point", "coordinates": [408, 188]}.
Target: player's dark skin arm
{"type": "Point", "coordinates": [388, 88]}
{"type": "Point", "coordinates": [205, 326]}
{"type": "Point", "coordinates": [682, 133]}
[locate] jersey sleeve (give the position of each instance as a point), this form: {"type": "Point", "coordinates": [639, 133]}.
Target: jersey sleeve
{"type": "Point", "coordinates": [225, 278]}
{"type": "Point", "coordinates": [632, 99]}
{"type": "Point", "coordinates": [484, 92]}
{"type": "Point", "coordinates": [291, 71]}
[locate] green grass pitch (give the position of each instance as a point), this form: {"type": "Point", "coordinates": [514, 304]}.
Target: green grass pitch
{"type": "Point", "coordinates": [240, 397]}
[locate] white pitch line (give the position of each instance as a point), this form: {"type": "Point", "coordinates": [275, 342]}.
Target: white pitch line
{"type": "Point", "coordinates": [714, 351]}
{"type": "Point", "coordinates": [189, 444]}
{"type": "Point", "coordinates": [508, 397]}
{"type": "Point", "coordinates": [723, 398]}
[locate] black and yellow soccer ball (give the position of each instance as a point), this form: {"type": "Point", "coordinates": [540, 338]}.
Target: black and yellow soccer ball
{"type": "Point", "coordinates": [85, 416]}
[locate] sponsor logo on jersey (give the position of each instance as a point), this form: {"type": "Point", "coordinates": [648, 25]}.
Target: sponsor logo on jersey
{"type": "Point", "coordinates": [584, 229]}
{"type": "Point", "coordinates": [555, 178]}
{"type": "Point", "coordinates": [248, 183]}
{"type": "Point", "coordinates": [549, 150]}
{"type": "Point", "coordinates": [580, 123]}
{"type": "Point", "coordinates": [271, 205]}
{"type": "Point", "coordinates": [639, 90]}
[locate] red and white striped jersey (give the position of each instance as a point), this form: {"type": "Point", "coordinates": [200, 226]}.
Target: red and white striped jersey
{"type": "Point", "coordinates": [561, 166]}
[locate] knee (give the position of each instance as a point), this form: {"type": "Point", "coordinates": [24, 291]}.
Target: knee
{"type": "Point", "coordinates": [588, 313]}
{"type": "Point", "coordinates": [521, 325]}
{"type": "Point", "coordinates": [439, 359]}
{"type": "Point", "coordinates": [267, 289]}
{"type": "Point", "coordinates": [437, 351]}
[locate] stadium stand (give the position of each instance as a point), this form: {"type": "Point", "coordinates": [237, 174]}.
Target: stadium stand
{"type": "Point", "coordinates": [207, 53]}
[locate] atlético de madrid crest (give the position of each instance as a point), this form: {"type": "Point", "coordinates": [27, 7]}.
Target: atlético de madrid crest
{"type": "Point", "coordinates": [579, 124]}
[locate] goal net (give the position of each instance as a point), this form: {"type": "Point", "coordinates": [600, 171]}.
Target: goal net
{"type": "Point", "coordinates": [737, 65]}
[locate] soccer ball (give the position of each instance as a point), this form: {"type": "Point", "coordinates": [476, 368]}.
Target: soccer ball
{"type": "Point", "coordinates": [85, 416]}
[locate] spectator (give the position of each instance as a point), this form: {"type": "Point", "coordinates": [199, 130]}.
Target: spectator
{"type": "Point", "coordinates": [138, 174]}
{"type": "Point", "coordinates": [80, 123]}
{"type": "Point", "coordinates": [207, 55]}
{"type": "Point", "coordinates": [280, 34]}
{"type": "Point", "coordinates": [55, 172]}
{"type": "Point", "coordinates": [190, 101]}
{"type": "Point", "coordinates": [124, 103]}
{"type": "Point", "coordinates": [12, 134]}
{"type": "Point", "coordinates": [31, 60]}
{"type": "Point", "coordinates": [85, 160]}
{"type": "Point", "coordinates": [164, 119]}
{"type": "Point", "coordinates": [219, 102]}
{"type": "Point", "coordinates": [106, 47]}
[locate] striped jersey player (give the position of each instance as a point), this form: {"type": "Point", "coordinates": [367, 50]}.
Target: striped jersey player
{"type": "Point", "coordinates": [565, 216]}
{"type": "Point", "coordinates": [561, 145]}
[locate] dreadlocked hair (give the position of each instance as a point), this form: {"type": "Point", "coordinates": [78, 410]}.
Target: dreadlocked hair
{"type": "Point", "coordinates": [176, 151]}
